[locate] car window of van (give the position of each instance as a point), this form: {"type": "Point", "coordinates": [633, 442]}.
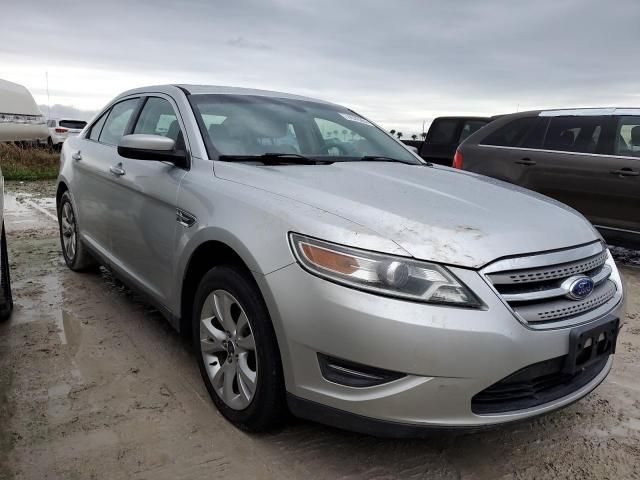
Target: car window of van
{"type": "Point", "coordinates": [574, 133]}
{"type": "Point", "coordinates": [96, 128]}
{"type": "Point", "coordinates": [443, 131]}
{"type": "Point", "coordinates": [117, 121]}
{"type": "Point", "coordinates": [628, 137]}
{"type": "Point", "coordinates": [513, 134]}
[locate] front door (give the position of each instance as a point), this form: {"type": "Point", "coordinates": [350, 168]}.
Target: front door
{"type": "Point", "coordinates": [144, 239]}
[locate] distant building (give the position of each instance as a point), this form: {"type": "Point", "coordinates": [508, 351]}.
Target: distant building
{"type": "Point", "coordinates": [20, 119]}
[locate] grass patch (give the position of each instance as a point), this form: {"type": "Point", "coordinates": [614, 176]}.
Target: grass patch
{"type": "Point", "coordinates": [19, 163]}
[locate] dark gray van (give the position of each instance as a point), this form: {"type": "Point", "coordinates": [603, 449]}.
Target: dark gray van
{"type": "Point", "coordinates": [587, 158]}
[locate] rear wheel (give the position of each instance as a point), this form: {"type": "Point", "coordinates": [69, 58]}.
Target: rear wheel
{"type": "Point", "coordinates": [6, 297]}
{"type": "Point", "coordinates": [237, 350]}
{"type": "Point", "coordinates": [75, 253]}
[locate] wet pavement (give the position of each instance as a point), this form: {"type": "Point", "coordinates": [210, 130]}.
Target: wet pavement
{"type": "Point", "coordinates": [94, 383]}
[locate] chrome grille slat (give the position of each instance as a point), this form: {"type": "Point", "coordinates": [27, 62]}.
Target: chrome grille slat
{"type": "Point", "coordinates": [549, 273]}
{"type": "Point", "coordinates": [531, 295]}
{"type": "Point", "coordinates": [540, 295]}
{"type": "Point", "coordinates": [564, 308]}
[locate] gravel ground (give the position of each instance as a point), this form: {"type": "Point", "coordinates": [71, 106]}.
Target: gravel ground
{"type": "Point", "coordinates": [96, 384]}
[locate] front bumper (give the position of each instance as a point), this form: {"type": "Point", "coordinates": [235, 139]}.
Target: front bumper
{"type": "Point", "coordinates": [448, 354]}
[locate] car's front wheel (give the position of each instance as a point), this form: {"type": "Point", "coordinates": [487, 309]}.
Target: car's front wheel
{"type": "Point", "coordinates": [6, 297]}
{"type": "Point", "coordinates": [74, 252]}
{"type": "Point", "coordinates": [237, 350]}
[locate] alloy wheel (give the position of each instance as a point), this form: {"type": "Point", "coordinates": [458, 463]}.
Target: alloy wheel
{"type": "Point", "coordinates": [228, 349]}
{"type": "Point", "coordinates": [68, 225]}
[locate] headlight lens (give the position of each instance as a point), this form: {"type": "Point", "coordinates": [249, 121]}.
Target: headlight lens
{"type": "Point", "coordinates": [382, 274]}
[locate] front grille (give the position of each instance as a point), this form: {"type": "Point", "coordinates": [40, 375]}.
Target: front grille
{"type": "Point", "coordinates": [532, 386]}
{"type": "Point", "coordinates": [540, 295]}
{"type": "Point", "coordinates": [552, 272]}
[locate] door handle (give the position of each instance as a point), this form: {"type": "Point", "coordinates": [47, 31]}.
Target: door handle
{"type": "Point", "coordinates": [117, 170]}
{"type": "Point", "coordinates": [526, 161]}
{"type": "Point", "coordinates": [625, 172]}
{"type": "Point", "coordinates": [77, 156]}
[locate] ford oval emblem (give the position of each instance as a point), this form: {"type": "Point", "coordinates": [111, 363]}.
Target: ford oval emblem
{"type": "Point", "coordinates": [580, 288]}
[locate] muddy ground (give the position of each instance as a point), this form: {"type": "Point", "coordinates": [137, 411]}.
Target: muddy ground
{"type": "Point", "coordinates": [95, 384]}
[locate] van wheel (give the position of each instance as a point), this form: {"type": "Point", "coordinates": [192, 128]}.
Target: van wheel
{"type": "Point", "coordinates": [6, 297]}
{"type": "Point", "coordinates": [74, 252]}
{"type": "Point", "coordinates": [237, 351]}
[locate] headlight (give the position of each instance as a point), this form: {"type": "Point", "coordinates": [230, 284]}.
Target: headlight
{"type": "Point", "coordinates": [382, 274]}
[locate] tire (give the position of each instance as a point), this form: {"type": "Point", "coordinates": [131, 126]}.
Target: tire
{"type": "Point", "coordinates": [253, 408]}
{"type": "Point", "coordinates": [6, 297]}
{"type": "Point", "coordinates": [74, 251]}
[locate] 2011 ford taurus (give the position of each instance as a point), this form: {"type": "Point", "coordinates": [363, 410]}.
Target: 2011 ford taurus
{"type": "Point", "coordinates": [323, 268]}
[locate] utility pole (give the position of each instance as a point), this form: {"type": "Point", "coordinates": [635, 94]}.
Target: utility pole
{"type": "Point", "coordinates": [46, 76]}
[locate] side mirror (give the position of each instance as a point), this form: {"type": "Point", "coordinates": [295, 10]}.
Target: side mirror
{"type": "Point", "coordinates": [151, 147]}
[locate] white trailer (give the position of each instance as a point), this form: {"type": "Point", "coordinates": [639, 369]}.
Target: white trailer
{"type": "Point", "coordinates": [20, 119]}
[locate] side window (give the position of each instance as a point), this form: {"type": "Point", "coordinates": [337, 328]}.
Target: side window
{"type": "Point", "coordinates": [512, 134]}
{"type": "Point", "coordinates": [159, 118]}
{"type": "Point", "coordinates": [117, 121]}
{"type": "Point", "coordinates": [469, 127]}
{"type": "Point", "coordinates": [574, 134]}
{"type": "Point", "coordinates": [628, 137]}
{"type": "Point", "coordinates": [97, 127]}
{"type": "Point", "coordinates": [443, 131]}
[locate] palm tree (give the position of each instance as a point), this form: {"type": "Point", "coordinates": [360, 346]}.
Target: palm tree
{"type": "Point", "coordinates": [414, 136]}
{"type": "Point", "coordinates": [392, 132]}
{"type": "Point", "coordinates": [424, 135]}
{"type": "Point", "coordinates": [399, 135]}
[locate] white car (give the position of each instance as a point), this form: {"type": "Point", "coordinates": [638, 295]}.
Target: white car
{"type": "Point", "coordinates": [20, 119]}
{"type": "Point", "coordinates": [60, 130]}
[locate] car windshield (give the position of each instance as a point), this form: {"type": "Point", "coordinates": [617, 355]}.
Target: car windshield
{"type": "Point", "coordinates": [253, 125]}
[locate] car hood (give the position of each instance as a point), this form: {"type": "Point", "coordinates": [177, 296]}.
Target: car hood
{"type": "Point", "coordinates": [433, 213]}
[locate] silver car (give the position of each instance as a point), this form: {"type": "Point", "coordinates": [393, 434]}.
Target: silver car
{"type": "Point", "coordinates": [323, 268]}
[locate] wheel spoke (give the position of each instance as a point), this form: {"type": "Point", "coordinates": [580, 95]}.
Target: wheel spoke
{"type": "Point", "coordinates": [223, 302]}
{"type": "Point", "coordinates": [228, 394]}
{"type": "Point", "coordinates": [217, 379]}
{"type": "Point", "coordinates": [211, 338]}
{"type": "Point", "coordinates": [246, 379]}
{"type": "Point", "coordinates": [246, 343]}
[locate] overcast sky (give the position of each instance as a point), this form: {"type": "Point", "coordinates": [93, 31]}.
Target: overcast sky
{"type": "Point", "coordinates": [398, 63]}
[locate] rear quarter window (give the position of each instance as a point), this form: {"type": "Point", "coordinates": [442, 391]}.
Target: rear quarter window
{"type": "Point", "coordinates": [513, 134]}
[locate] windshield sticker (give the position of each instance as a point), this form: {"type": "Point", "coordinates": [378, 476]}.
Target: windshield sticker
{"type": "Point", "coordinates": [354, 118]}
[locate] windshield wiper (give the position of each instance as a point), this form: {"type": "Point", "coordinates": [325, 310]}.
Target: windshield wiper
{"type": "Point", "coordinates": [380, 158]}
{"type": "Point", "coordinates": [275, 159]}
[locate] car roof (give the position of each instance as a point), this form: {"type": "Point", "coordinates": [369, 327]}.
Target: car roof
{"type": "Point", "coordinates": [219, 90]}
{"type": "Point", "coordinates": [587, 111]}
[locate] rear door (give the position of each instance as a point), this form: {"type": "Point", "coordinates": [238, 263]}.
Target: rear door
{"type": "Point", "coordinates": [622, 171]}
{"type": "Point", "coordinates": [93, 182]}
{"type": "Point", "coordinates": [509, 151]}
{"type": "Point", "coordinates": [571, 167]}
{"type": "Point", "coordinates": [146, 194]}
